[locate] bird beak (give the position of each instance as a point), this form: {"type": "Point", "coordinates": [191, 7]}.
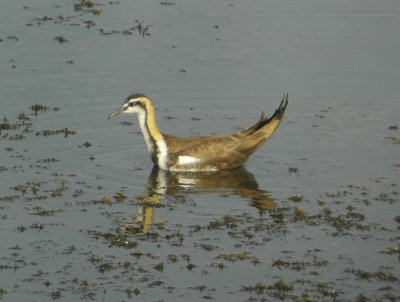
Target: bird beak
{"type": "Point", "coordinates": [116, 112]}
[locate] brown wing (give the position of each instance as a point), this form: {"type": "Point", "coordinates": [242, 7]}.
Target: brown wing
{"type": "Point", "coordinates": [227, 151]}
{"type": "Point", "coordinates": [214, 151]}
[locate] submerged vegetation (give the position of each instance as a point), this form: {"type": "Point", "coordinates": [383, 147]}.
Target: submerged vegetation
{"type": "Point", "coordinates": [22, 126]}
{"type": "Point", "coordinates": [84, 8]}
{"type": "Point", "coordinates": [276, 249]}
{"type": "Point", "coordinates": [142, 252]}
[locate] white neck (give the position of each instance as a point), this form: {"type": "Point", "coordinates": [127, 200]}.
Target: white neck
{"type": "Point", "coordinates": [157, 148]}
{"type": "Point", "coordinates": [145, 130]}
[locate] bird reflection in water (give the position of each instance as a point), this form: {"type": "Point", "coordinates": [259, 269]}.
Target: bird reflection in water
{"type": "Point", "coordinates": [161, 183]}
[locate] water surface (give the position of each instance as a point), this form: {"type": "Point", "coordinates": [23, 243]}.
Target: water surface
{"type": "Point", "coordinates": [313, 215]}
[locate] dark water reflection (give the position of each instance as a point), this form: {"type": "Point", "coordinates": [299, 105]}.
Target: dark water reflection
{"type": "Point", "coordinates": [162, 184]}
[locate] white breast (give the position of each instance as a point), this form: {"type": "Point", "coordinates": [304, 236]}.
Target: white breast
{"type": "Point", "coordinates": [162, 154]}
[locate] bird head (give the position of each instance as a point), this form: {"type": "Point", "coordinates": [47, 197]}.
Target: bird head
{"type": "Point", "coordinates": [135, 103]}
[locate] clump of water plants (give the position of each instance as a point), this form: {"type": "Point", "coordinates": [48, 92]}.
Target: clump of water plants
{"type": "Point", "coordinates": [280, 289]}
{"type": "Point", "coordinates": [140, 27]}
{"type": "Point", "coordinates": [60, 39]}
{"type": "Point", "coordinates": [159, 267]}
{"type": "Point", "coordinates": [296, 198]}
{"type": "Point", "coordinates": [87, 7]}
{"type": "Point", "coordinates": [36, 108]}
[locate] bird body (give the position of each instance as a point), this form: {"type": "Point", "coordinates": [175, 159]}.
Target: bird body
{"type": "Point", "coordinates": [201, 153]}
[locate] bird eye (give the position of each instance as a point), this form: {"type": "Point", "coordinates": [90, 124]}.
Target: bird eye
{"type": "Point", "coordinates": [132, 104]}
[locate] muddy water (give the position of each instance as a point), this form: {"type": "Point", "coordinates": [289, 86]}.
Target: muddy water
{"type": "Point", "coordinates": [314, 214]}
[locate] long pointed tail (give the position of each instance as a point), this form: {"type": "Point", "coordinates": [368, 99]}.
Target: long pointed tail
{"type": "Point", "coordinates": [256, 135]}
{"type": "Point", "coordinates": [278, 115]}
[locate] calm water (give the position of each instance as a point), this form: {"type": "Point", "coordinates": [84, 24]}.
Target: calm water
{"type": "Point", "coordinates": [313, 215]}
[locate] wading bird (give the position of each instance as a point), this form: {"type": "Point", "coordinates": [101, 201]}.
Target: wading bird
{"type": "Point", "coordinates": [202, 153]}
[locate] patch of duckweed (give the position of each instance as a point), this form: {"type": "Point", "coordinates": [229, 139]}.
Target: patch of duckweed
{"type": "Point", "coordinates": [47, 160]}
{"type": "Point", "coordinates": [143, 29]}
{"type": "Point", "coordinates": [39, 210]}
{"type": "Point", "coordinates": [390, 197]}
{"type": "Point", "coordinates": [86, 144]}
{"type": "Point", "coordinates": [55, 294]}
{"type": "Point", "coordinates": [48, 132]}
{"type": "Point", "coordinates": [9, 198]}
{"type": "Point", "coordinates": [16, 137]}
{"type": "Point", "coordinates": [296, 198]}
{"type": "Point", "coordinates": [4, 126]}
{"type": "Point", "coordinates": [9, 38]}
{"type": "Point", "coordinates": [382, 274]}
{"type": "Point", "coordinates": [61, 39]}
{"type": "Point", "coordinates": [117, 240]}
{"type": "Point", "coordinates": [280, 289]}
{"type": "Point", "coordinates": [190, 266]}
{"type": "Point", "coordinates": [167, 3]}
{"type": "Point", "coordinates": [87, 6]}
{"type": "Point", "coordinates": [298, 214]}
{"type": "Point", "coordinates": [139, 27]}
{"type": "Point", "coordinates": [21, 228]}
{"type": "Point", "coordinates": [22, 120]}
{"type": "Point", "coordinates": [207, 247]}
{"type": "Point", "coordinates": [36, 108]}
{"type": "Point", "coordinates": [215, 224]}
{"type": "Point", "coordinates": [105, 267]}
{"type": "Point", "coordinates": [70, 249]}
{"type": "Point", "coordinates": [119, 197]}
{"type": "Point", "coordinates": [299, 265]}
{"type": "Point", "coordinates": [21, 188]}
{"type": "Point", "coordinates": [37, 226]}
{"type": "Point", "coordinates": [173, 258]}
{"type": "Point", "coordinates": [175, 239]}
{"type": "Point", "coordinates": [227, 221]}
{"type": "Point", "coordinates": [159, 266]}
{"type": "Point", "coordinates": [392, 250]}
{"type": "Point", "coordinates": [233, 257]}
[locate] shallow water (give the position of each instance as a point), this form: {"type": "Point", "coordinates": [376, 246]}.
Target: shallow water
{"type": "Point", "coordinates": [313, 215]}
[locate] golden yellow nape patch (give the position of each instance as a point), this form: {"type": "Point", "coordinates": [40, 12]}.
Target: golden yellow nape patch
{"type": "Point", "coordinates": [151, 119]}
